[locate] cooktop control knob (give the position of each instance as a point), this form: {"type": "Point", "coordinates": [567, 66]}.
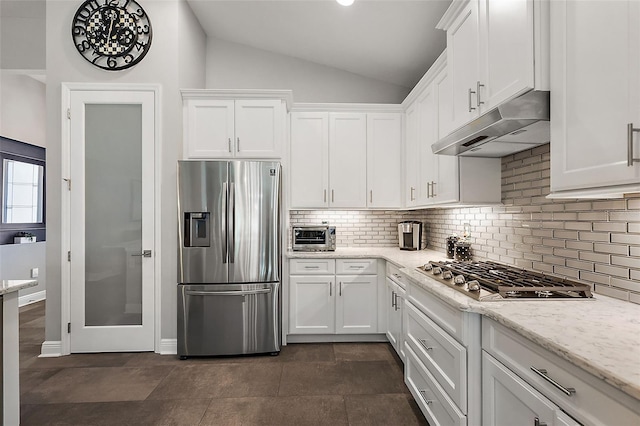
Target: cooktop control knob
{"type": "Point", "coordinates": [447, 275]}
{"type": "Point", "coordinates": [459, 280]}
{"type": "Point", "coordinates": [474, 285]}
{"type": "Point", "coordinates": [427, 267]}
{"type": "Point", "coordinates": [437, 271]}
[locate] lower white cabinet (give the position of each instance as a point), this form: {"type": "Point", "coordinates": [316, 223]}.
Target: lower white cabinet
{"type": "Point", "coordinates": [395, 305]}
{"type": "Point", "coordinates": [508, 400]}
{"type": "Point", "coordinates": [341, 303]}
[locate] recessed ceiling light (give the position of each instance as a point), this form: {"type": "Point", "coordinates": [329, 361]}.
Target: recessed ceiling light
{"type": "Point", "coordinates": [345, 2]}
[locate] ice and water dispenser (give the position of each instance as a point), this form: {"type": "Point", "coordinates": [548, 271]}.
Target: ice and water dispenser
{"type": "Point", "coordinates": [410, 235]}
{"type": "Point", "coordinates": [197, 229]}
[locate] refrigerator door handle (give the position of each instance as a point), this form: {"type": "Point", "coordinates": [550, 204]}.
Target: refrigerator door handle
{"type": "Point", "coordinates": [232, 224]}
{"type": "Point", "coordinates": [228, 292]}
{"type": "Point", "coordinates": [225, 196]}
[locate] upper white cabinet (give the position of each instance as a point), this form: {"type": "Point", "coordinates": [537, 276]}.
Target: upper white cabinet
{"type": "Point", "coordinates": [595, 102]}
{"type": "Point", "coordinates": [348, 160]}
{"type": "Point", "coordinates": [384, 141]}
{"type": "Point", "coordinates": [436, 180]}
{"type": "Point", "coordinates": [345, 159]}
{"type": "Point", "coordinates": [495, 50]}
{"type": "Point", "coordinates": [217, 126]}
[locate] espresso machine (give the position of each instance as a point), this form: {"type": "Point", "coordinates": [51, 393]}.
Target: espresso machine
{"type": "Point", "coordinates": [410, 235]}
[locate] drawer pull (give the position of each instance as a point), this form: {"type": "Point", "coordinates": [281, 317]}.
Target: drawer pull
{"type": "Point", "coordinates": [424, 343]}
{"type": "Point", "coordinates": [536, 422]}
{"type": "Point", "coordinates": [397, 276]}
{"type": "Point", "coordinates": [311, 267]}
{"type": "Point", "coordinates": [543, 373]}
{"type": "Point", "coordinates": [355, 267]}
{"type": "Point", "coordinates": [423, 394]}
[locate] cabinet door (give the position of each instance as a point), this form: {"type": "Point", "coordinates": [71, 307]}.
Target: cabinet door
{"type": "Point", "coordinates": [208, 128]}
{"type": "Point", "coordinates": [595, 75]}
{"type": "Point", "coordinates": [309, 159]}
{"type": "Point", "coordinates": [463, 63]}
{"type": "Point", "coordinates": [384, 156]}
{"type": "Point", "coordinates": [259, 128]}
{"type": "Point", "coordinates": [394, 315]}
{"type": "Point", "coordinates": [356, 304]}
{"type": "Point", "coordinates": [411, 168]}
{"type": "Point", "coordinates": [508, 400]}
{"type": "Point", "coordinates": [506, 55]}
{"type": "Point", "coordinates": [428, 116]}
{"type": "Point", "coordinates": [348, 160]}
{"type": "Point", "coordinates": [312, 304]}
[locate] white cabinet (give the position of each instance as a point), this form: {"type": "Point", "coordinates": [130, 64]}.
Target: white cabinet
{"type": "Point", "coordinates": [508, 400]}
{"type": "Point", "coordinates": [595, 97]}
{"type": "Point", "coordinates": [384, 139]}
{"type": "Point", "coordinates": [511, 358]}
{"type": "Point", "coordinates": [491, 53]}
{"type": "Point", "coordinates": [395, 295]}
{"type": "Point", "coordinates": [309, 159]}
{"type": "Point", "coordinates": [227, 128]}
{"type": "Point", "coordinates": [348, 160]}
{"type": "Point", "coordinates": [436, 180]}
{"type": "Point", "coordinates": [333, 296]}
{"type": "Point", "coordinates": [345, 160]}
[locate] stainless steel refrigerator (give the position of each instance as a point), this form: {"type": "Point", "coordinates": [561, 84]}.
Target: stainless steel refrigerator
{"type": "Point", "coordinates": [228, 258]}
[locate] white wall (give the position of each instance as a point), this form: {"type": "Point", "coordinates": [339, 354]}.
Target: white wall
{"type": "Point", "coordinates": [162, 66]}
{"type": "Point", "coordinates": [16, 262]}
{"type": "Point", "coordinates": [22, 34]}
{"type": "Point", "coordinates": [236, 66]}
{"type": "Point", "coordinates": [22, 108]}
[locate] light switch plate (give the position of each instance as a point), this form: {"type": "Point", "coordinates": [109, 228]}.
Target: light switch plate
{"type": "Point", "coordinates": [34, 272]}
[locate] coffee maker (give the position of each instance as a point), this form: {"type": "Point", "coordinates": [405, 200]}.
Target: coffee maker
{"type": "Point", "coordinates": [410, 235]}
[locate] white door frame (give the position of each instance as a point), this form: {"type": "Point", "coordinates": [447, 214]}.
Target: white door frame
{"type": "Point", "coordinates": [65, 232]}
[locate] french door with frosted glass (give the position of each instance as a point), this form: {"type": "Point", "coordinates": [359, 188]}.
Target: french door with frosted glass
{"type": "Point", "coordinates": [111, 220]}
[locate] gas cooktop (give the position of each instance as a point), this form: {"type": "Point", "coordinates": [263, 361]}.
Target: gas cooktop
{"type": "Point", "coordinates": [492, 281]}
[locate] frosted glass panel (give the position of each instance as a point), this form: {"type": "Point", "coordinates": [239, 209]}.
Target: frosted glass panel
{"type": "Point", "coordinates": [113, 219]}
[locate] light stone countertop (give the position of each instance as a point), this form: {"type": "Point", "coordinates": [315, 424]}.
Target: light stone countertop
{"type": "Point", "coordinates": [600, 335]}
{"type": "Point", "coordinates": [9, 286]}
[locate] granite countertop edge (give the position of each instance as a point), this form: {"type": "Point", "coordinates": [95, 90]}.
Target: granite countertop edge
{"type": "Point", "coordinates": [615, 360]}
{"type": "Point", "coordinates": [11, 286]}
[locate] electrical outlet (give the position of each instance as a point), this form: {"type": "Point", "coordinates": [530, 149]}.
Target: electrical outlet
{"type": "Point", "coordinates": [34, 272]}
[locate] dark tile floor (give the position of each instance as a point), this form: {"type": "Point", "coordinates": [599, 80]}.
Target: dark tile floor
{"type": "Point", "coordinates": [307, 384]}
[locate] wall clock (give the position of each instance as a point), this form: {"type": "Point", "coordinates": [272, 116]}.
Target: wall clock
{"type": "Point", "coordinates": [111, 34]}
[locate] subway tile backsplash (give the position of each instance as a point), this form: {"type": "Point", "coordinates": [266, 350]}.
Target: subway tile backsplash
{"type": "Point", "coordinates": [594, 241]}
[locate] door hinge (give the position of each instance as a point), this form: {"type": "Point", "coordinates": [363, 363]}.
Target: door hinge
{"type": "Point", "coordinates": [69, 113]}
{"type": "Point", "coordinates": [69, 256]}
{"type": "Point", "coordinates": [68, 183]}
{"type": "Point", "coordinates": [68, 327]}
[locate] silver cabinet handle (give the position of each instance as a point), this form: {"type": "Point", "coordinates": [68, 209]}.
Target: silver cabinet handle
{"type": "Point", "coordinates": [543, 373]}
{"type": "Point", "coordinates": [412, 191]}
{"type": "Point", "coordinates": [229, 144]}
{"type": "Point", "coordinates": [225, 219]}
{"type": "Point", "coordinates": [371, 196]}
{"type": "Point", "coordinates": [471, 108]}
{"type": "Point", "coordinates": [330, 289]}
{"type": "Point", "coordinates": [433, 189]}
{"type": "Point", "coordinates": [423, 342]}
{"type": "Point", "coordinates": [340, 288]}
{"type": "Point", "coordinates": [325, 196]}
{"type": "Point", "coordinates": [392, 299]}
{"type": "Point", "coordinates": [423, 394]}
{"type": "Point", "coordinates": [630, 131]}
{"type": "Point", "coordinates": [232, 222]}
{"type": "Point", "coordinates": [145, 253]}
{"type": "Point", "coordinates": [238, 144]}
{"type": "Point", "coordinates": [311, 267]}
{"type": "Point", "coordinates": [332, 195]}
{"type": "Point", "coordinates": [479, 102]}
{"type": "Point", "coordinates": [428, 189]}
{"type": "Point", "coordinates": [228, 293]}
{"type": "Point", "coordinates": [537, 422]}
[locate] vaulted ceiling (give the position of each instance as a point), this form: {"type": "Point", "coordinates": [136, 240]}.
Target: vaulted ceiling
{"type": "Point", "coordinates": [394, 41]}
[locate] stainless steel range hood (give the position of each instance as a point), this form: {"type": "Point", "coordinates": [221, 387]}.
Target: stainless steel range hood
{"type": "Point", "coordinates": [514, 126]}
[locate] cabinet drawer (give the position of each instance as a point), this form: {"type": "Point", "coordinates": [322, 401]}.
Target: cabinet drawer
{"type": "Point", "coordinates": [445, 358]}
{"type": "Point", "coordinates": [433, 402]}
{"type": "Point", "coordinates": [393, 272]}
{"type": "Point", "coordinates": [312, 266]}
{"type": "Point", "coordinates": [356, 266]}
{"type": "Point", "coordinates": [593, 402]}
{"type": "Point", "coordinates": [447, 317]}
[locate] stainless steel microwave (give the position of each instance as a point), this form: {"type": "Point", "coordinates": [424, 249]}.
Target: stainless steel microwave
{"type": "Point", "coordinates": [314, 238]}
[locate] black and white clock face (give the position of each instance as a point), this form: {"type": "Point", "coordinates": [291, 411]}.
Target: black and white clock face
{"type": "Point", "coordinates": [111, 34]}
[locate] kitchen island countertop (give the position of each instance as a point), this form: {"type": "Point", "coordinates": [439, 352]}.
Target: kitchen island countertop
{"type": "Point", "coordinates": [599, 335]}
{"type": "Point", "coordinates": [9, 286]}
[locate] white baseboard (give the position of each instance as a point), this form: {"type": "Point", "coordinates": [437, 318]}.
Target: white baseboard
{"type": "Point", "coordinates": [50, 349]}
{"type": "Point", "coordinates": [32, 298]}
{"type": "Point", "coordinates": [336, 338]}
{"type": "Point", "coordinates": [168, 347]}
